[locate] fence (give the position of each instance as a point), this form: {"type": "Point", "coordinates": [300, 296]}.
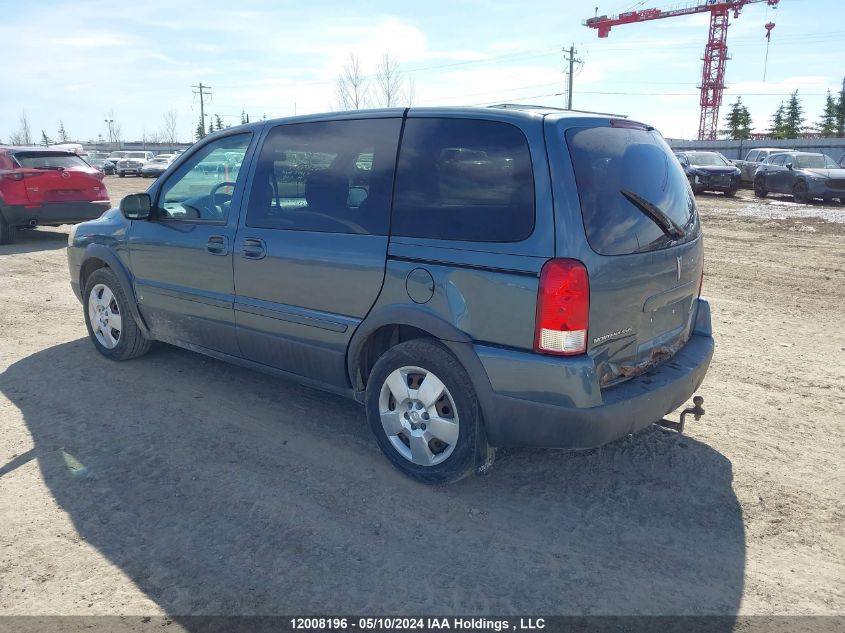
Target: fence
{"type": "Point", "coordinates": [833, 147]}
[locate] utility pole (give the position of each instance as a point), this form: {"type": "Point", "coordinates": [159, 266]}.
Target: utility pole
{"type": "Point", "coordinates": [570, 57]}
{"type": "Point", "coordinates": [202, 91]}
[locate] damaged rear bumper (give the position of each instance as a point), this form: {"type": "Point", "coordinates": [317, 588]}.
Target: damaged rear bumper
{"type": "Point", "coordinates": [559, 403]}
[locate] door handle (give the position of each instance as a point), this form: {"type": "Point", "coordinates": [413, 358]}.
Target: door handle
{"type": "Point", "coordinates": [217, 245]}
{"type": "Point", "coordinates": [254, 248]}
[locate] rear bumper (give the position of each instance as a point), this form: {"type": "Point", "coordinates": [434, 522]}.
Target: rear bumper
{"type": "Point", "coordinates": [558, 402]}
{"type": "Point", "coordinates": [54, 213]}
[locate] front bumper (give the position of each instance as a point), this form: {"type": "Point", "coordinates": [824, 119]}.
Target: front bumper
{"type": "Point", "coordinates": [540, 401]}
{"type": "Point", "coordinates": [714, 183]}
{"type": "Point", "coordinates": [821, 189]}
{"type": "Point", "coordinates": [55, 213]}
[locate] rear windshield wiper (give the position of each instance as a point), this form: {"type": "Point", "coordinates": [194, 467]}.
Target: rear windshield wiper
{"type": "Point", "coordinates": [655, 214]}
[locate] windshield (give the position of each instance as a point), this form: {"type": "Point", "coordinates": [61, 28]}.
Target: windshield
{"type": "Point", "coordinates": [812, 161]}
{"type": "Point", "coordinates": [707, 159]}
{"type": "Point", "coordinates": [49, 160]}
{"type": "Point", "coordinates": [634, 194]}
{"type": "Point", "coordinates": [135, 155]}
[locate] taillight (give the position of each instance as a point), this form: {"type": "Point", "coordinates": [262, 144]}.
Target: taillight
{"type": "Point", "coordinates": [19, 175]}
{"type": "Point", "coordinates": [563, 308]}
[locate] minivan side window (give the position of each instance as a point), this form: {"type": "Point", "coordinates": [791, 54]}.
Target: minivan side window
{"type": "Point", "coordinates": [203, 186]}
{"type": "Point", "coordinates": [326, 176]}
{"type": "Point", "coordinates": [464, 179]}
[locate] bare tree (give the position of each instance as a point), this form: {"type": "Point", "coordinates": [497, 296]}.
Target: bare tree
{"type": "Point", "coordinates": [352, 86]}
{"type": "Point", "coordinates": [23, 136]}
{"type": "Point", "coordinates": [389, 81]}
{"type": "Point", "coordinates": [170, 127]}
{"type": "Point", "coordinates": [411, 92]}
{"type": "Point", "coordinates": [116, 132]}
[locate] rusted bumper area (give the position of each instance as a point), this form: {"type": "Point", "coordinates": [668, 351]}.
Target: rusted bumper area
{"type": "Point", "coordinates": [625, 408]}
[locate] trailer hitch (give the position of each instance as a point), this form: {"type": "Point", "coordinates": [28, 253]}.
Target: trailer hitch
{"type": "Point", "coordinates": [696, 410]}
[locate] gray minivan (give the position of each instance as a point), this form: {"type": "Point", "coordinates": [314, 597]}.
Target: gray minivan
{"type": "Point", "coordinates": [476, 277]}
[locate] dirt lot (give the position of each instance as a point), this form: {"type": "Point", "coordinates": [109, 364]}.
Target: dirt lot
{"type": "Point", "coordinates": [178, 484]}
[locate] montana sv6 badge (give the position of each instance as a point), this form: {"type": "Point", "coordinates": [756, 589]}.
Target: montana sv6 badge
{"type": "Point", "coordinates": [602, 339]}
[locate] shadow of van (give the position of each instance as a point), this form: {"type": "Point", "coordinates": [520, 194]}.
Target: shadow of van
{"type": "Point", "coordinates": [218, 490]}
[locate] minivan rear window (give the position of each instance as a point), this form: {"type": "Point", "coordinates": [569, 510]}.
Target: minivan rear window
{"type": "Point", "coordinates": [464, 179]}
{"type": "Point", "coordinates": [634, 194]}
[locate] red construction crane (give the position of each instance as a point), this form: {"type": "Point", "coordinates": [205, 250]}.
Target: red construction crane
{"type": "Point", "coordinates": [715, 53]}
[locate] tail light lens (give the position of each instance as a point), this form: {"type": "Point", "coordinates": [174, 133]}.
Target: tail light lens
{"type": "Point", "coordinates": [563, 308]}
{"type": "Point", "coordinates": [19, 175]}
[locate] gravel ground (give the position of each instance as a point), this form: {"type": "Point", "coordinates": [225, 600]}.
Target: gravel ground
{"type": "Point", "coordinates": [178, 485]}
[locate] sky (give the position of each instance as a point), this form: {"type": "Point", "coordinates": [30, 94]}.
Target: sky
{"type": "Point", "coordinates": [82, 62]}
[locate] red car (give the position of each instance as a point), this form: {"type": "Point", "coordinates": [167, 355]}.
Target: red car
{"type": "Point", "coordinates": [47, 186]}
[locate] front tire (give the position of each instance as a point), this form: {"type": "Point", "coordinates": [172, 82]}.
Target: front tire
{"type": "Point", "coordinates": [424, 413]}
{"type": "Point", "coordinates": [121, 174]}
{"type": "Point", "coordinates": [730, 193]}
{"type": "Point", "coordinates": [110, 323]}
{"type": "Point", "coordinates": [800, 192]}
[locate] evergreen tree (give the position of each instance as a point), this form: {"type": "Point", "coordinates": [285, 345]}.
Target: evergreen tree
{"type": "Point", "coordinates": [63, 135]}
{"type": "Point", "coordinates": [200, 131]}
{"type": "Point", "coordinates": [45, 140]}
{"type": "Point", "coordinates": [840, 113]}
{"type": "Point", "coordinates": [793, 124]}
{"type": "Point", "coordinates": [738, 121]}
{"type": "Point", "coordinates": [219, 122]}
{"type": "Point", "coordinates": [828, 121]}
{"type": "Point", "coordinates": [777, 129]}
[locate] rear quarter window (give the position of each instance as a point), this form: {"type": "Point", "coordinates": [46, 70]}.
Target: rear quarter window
{"type": "Point", "coordinates": [464, 179]}
{"type": "Point", "coordinates": [610, 160]}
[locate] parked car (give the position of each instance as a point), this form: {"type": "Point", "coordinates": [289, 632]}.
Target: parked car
{"type": "Point", "coordinates": [557, 306]}
{"type": "Point", "coordinates": [133, 162]}
{"type": "Point", "coordinates": [105, 166]}
{"type": "Point", "coordinates": [47, 186]}
{"type": "Point", "coordinates": [709, 171]}
{"type": "Point", "coordinates": [157, 166]}
{"type": "Point", "coordinates": [805, 175]}
{"type": "Point", "coordinates": [753, 158]}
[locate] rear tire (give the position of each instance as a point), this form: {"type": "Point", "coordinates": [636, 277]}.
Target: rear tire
{"type": "Point", "coordinates": [759, 189]}
{"type": "Point", "coordinates": [7, 231]}
{"type": "Point", "coordinates": [104, 299]}
{"type": "Point", "coordinates": [121, 174]}
{"type": "Point", "coordinates": [424, 413]}
{"type": "Point", "coordinates": [730, 193]}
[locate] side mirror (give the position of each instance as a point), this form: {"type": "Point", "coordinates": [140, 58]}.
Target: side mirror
{"type": "Point", "coordinates": [788, 164]}
{"type": "Point", "coordinates": [136, 206]}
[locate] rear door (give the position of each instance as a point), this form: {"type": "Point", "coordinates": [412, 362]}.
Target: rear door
{"type": "Point", "coordinates": [643, 249]}
{"type": "Point", "coordinates": [59, 177]}
{"type": "Point", "coordinates": [310, 253]}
